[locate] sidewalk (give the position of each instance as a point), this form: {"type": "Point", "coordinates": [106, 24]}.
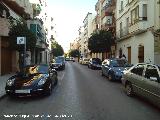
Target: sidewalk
{"type": "Point", "coordinates": [3, 80]}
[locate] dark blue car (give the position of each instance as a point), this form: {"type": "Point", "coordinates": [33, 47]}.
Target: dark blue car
{"type": "Point", "coordinates": [113, 68]}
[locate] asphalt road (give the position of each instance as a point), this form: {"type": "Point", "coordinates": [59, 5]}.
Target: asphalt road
{"type": "Point", "coordinates": [81, 94]}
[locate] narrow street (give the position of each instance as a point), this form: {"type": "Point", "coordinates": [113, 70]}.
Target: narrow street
{"type": "Point", "coordinates": [82, 94]}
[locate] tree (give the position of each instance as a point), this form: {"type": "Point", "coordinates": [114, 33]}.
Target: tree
{"type": "Point", "coordinates": [57, 49]}
{"type": "Point", "coordinates": [20, 29]}
{"type": "Point", "coordinates": [74, 53]}
{"type": "Point", "coordinates": [100, 41]}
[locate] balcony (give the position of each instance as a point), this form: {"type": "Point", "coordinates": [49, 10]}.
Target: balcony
{"type": "Point", "coordinates": [37, 28]}
{"type": "Point", "coordinates": [139, 26]}
{"type": "Point", "coordinates": [110, 6]}
{"type": "Point", "coordinates": [106, 13]}
{"type": "Point", "coordinates": [122, 33]}
{"type": "Point", "coordinates": [107, 26]}
{"type": "Point", "coordinates": [36, 9]}
{"type": "Point", "coordinates": [97, 6]}
{"type": "Point", "coordinates": [17, 8]}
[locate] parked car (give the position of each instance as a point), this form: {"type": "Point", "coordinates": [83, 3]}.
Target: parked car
{"type": "Point", "coordinates": [80, 60]}
{"type": "Point", "coordinates": [35, 79]}
{"type": "Point", "coordinates": [94, 63]}
{"type": "Point", "coordinates": [143, 79]}
{"type": "Point", "coordinates": [58, 63]}
{"type": "Point", "coordinates": [72, 59]}
{"type": "Point", "coordinates": [113, 68]}
{"type": "Point", "coordinates": [67, 59]}
{"type": "Point", "coordinates": [85, 61]}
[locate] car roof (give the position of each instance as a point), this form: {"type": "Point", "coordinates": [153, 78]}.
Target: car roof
{"type": "Point", "coordinates": [114, 59]}
{"type": "Point", "coordinates": [150, 64]}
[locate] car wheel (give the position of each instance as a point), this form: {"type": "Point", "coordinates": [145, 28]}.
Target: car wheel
{"type": "Point", "coordinates": [129, 90]}
{"type": "Point", "coordinates": [110, 77]}
{"type": "Point", "coordinates": [102, 73]}
{"type": "Point", "coordinates": [56, 81]}
{"type": "Point", "coordinates": [49, 89]}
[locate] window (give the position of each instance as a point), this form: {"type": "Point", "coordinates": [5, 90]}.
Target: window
{"type": "Point", "coordinates": [144, 13]}
{"type": "Point", "coordinates": [121, 30]}
{"type": "Point", "coordinates": [138, 70]}
{"type": "Point", "coordinates": [52, 27]}
{"type": "Point", "coordinates": [151, 71]}
{"type": "Point", "coordinates": [127, 25]}
{"type": "Point", "coordinates": [121, 6]}
{"type": "Point", "coordinates": [135, 15]}
{"type": "Point", "coordinates": [51, 18]}
{"type": "Point", "coordinates": [108, 21]}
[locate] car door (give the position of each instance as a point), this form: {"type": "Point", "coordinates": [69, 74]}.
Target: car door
{"type": "Point", "coordinates": [136, 78]}
{"type": "Point", "coordinates": [151, 84]}
{"type": "Point", "coordinates": [107, 67]}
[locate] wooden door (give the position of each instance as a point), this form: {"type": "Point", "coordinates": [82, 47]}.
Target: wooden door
{"type": "Point", "coordinates": [129, 55]}
{"type": "Point", "coordinates": [6, 60]}
{"type": "Point", "coordinates": [141, 54]}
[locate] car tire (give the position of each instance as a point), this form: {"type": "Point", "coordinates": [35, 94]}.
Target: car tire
{"type": "Point", "coordinates": [56, 81]}
{"type": "Point", "coordinates": [102, 73]}
{"type": "Point", "coordinates": [110, 77]}
{"type": "Point", "coordinates": [129, 89]}
{"type": "Point", "coordinates": [49, 89]}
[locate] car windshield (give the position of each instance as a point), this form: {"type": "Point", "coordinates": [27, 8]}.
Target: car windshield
{"type": "Point", "coordinates": [57, 60]}
{"type": "Point", "coordinates": [119, 63]}
{"type": "Point", "coordinates": [96, 61]}
{"type": "Point", "coordinates": [36, 69]}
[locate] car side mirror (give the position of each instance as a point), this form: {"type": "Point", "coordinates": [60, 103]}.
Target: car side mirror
{"type": "Point", "coordinates": [153, 79]}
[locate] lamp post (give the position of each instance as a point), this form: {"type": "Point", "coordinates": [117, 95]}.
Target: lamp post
{"type": "Point", "coordinates": [22, 41]}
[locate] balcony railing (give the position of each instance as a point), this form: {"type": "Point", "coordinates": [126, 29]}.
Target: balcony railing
{"type": "Point", "coordinates": [16, 8]}
{"type": "Point", "coordinates": [110, 5]}
{"type": "Point", "coordinates": [122, 32]}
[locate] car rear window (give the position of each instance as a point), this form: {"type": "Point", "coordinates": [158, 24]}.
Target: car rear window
{"type": "Point", "coordinates": [119, 63]}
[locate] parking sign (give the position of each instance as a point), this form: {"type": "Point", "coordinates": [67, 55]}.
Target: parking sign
{"type": "Point", "coordinates": [20, 40]}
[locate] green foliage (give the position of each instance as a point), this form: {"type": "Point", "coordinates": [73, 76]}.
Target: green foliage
{"type": "Point", "coordinates": [74, 53]}
{"type": "Point", "coordinates": [20, 29]}
{"type": "Point", "coordinates": [57, 49]}
{"type": "Point", "coordinates": [100, 41]}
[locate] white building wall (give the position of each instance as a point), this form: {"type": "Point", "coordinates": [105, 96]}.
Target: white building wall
{"type": "Point", "coordinates": [145, 39]}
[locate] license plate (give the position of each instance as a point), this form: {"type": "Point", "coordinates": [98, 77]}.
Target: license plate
{"type": "Point", "coordinates": [22, 91]}
{"type": "Point", "coordinates": [55, 67]}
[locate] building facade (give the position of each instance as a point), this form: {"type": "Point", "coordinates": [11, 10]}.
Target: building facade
{"type": "Point", "coordinates": [105, 20]}
{"type": "Point", "coordinates": [38, 25]}
{"type": "Point", "coordinates": [15, 10]}
{"type": "Point", "coordinates": [136, 22]}
{"type": "Point", "coordinates": [87, 24]}
{"type": "Point", "coordinates": [81, 41]}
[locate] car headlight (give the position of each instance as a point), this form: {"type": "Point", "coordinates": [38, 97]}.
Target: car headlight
{"type": "Point", "coordinates": [10, 82]}
{"type": "Point", "coordinates": [42, 81]}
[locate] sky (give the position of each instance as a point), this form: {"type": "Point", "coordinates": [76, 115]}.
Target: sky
{"type": "Point", "coordinates": [69, 16]}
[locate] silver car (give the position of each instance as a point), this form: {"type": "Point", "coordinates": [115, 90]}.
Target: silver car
{"type": "Point", "coordinates": [143, 79]}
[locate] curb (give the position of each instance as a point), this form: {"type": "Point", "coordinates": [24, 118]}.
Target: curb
{"type": "Point", "coordinates": [3, 96]}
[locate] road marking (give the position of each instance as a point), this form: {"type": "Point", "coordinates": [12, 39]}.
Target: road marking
{"type": "Point", "coordinates": [61, 79]}
{"type": "Point", "coordinates": [62, 76]}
